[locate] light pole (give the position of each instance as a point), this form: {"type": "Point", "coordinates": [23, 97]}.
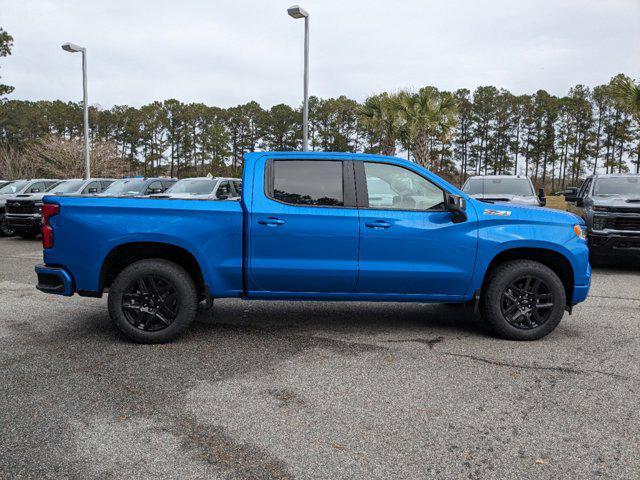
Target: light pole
{"type": "Point", "coordinates": [297, 12]}
{"type": "Point", "coordinates": [73, 48]}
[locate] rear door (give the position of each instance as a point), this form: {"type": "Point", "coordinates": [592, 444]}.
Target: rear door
{"type": "Point", "coordinates": [304, 227]}
{"type": "Point", "coordinates": [408, 242]}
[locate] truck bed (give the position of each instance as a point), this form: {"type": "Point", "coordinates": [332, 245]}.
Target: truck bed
{"type": "Point", "coordinates": [92, 227]}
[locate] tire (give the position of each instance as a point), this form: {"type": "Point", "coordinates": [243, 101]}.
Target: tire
{"type": "Point", "coordinates": [507, 303]}
{"type": "Point", "coordinates": [5, 229]}
{"type": "Point", "coordinates": [145, 295]}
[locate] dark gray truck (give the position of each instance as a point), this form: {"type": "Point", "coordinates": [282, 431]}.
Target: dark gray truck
{"type": "Point", "coordinates": [610, 205]}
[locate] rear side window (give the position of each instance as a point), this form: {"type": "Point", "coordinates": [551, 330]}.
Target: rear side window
{"type": "Point", "coordinates": [313, 182]}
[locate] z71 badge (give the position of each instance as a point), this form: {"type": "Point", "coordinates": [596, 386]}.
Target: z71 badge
{"type": "Point", "coordinates": [497, 213]}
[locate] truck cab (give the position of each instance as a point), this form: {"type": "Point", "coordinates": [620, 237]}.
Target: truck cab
{"type": "Point", "coordinates": [317, 226]}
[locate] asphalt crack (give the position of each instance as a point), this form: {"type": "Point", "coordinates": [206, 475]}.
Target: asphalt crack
{"type": "Point", "coordinates": [536, 367]}
{"type": "Point", "coordinates": [430, 342]}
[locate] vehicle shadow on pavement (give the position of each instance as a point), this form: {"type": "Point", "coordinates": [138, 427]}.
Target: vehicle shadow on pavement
{"type": "Point", "coordinates": [352, 318]}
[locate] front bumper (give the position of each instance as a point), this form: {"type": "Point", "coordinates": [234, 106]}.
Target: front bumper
{"type": "Point", "coordinates": [24, 222]}
{"type": "Point", "coordinates": [615, 244]}
{"type": "Point", "coordinates": [54, 280]}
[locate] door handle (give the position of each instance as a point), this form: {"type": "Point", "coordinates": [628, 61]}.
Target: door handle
{"type": "Point", "coordinates": [378, 224]}
{"type": "Point", "coordinates": [271, 222]}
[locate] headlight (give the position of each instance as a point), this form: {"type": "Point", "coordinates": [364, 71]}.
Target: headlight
{"type": "Point", "coordinates": [580, 231]}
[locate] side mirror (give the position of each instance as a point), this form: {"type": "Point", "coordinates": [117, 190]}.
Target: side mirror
{"type": "Point", "coordinates": [35, 190]}
{"type": "Point", "coordinates": [542, 197]}
{"type": "Point", "coordinates": [93, 190]}
{"type": "Point", "coordinates": [579, 202]}
{"type": "Point", "coordinates": [457, 206]}
{"type": "Point", "coordinates": [153, 191]}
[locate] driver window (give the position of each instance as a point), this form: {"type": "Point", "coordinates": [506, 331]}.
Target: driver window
{"type": "Point", "coordinates": [390, 187]}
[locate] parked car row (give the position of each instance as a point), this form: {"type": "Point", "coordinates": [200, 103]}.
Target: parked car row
{"type": "Point", "coordinates": [609, 204]}
{"type": "Point", "coordinates": [21, 200]}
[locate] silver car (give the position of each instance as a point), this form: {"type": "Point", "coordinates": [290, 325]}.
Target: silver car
{"type": "Point", "coordinates": [204, 188]}
{"type": "Point", "coordinates": [504, 188]}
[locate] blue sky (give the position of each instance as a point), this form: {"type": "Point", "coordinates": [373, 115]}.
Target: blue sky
{"type": "Point", "coordinates": [228, 52]}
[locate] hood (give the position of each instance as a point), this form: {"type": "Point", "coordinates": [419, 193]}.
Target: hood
{"type": "Point", "coordinates": [32, 197]}
{"type": "Point", "coordinates": [529, 214]}
{"type": "Point", "coordinates": [507, 198]}
{"type": "Point", "coordinates": [617, 201]}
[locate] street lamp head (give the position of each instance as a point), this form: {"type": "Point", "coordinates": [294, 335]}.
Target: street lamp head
{"type": "Point", "coordinates": [297, 11]}
{"type": "Point", "coordinates": [72, 47]}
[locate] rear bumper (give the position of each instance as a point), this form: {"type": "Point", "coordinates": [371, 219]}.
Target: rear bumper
{"type": "Point", "coordinates": [615, 244]}
{"type": "Point", "coordinates": [56, 281]}
{"type": "Point", "coordinates": [24, 222]}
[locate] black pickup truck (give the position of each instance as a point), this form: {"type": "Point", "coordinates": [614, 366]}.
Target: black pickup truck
{"type": "Point", "coordinates": [24, 211]}
{"type": "Point", "coordinates": [610, 205]}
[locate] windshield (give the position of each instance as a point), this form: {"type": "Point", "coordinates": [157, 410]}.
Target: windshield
{"type": "Point", "coordinates": [70, 186]}
{"type": "Point", "coordinates": [195, 187]}
{"type": "Point", "coordinates": [13, 187]}
{"type": "Point", "coordinates": [628, 186]}
{"type": "Point", "coordinates": [498, 186]}
{"type": "Point", "coordinates": [130, 186]}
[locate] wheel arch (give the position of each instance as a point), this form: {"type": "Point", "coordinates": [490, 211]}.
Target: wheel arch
{"type": "Point", "coordinates": [553, 259]}
{"type": "Point", "coordinates": [125, 254]}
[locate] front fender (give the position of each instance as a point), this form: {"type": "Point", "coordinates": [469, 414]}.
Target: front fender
{"type": "Point", "coordinates": [503, 236]}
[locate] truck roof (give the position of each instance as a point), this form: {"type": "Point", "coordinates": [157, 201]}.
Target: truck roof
{"type": "Point", "coordinates": [500, 176]}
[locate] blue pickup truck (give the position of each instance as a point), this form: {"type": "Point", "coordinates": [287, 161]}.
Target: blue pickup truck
{"type": "Point", "coordinates": [317, 226]}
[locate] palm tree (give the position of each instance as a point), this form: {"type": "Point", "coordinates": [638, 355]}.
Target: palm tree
{"type": "Point", "coordinates": [627, 94]}
{"type": "Point", "coordinates": [379, 116]}
{"type": "Point", "coordinates": [427, 114]}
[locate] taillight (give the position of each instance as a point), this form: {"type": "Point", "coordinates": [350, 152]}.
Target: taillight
{"type": "Point", "coordinates": [48, 210]}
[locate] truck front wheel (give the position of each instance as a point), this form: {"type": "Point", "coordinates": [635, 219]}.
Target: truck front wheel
{"type": "Point", "coordinates": [152, 301]}
{"type": "Point", "coordinates": [5, 229]}
{"type": "Point", "coordinates": [523, 300]}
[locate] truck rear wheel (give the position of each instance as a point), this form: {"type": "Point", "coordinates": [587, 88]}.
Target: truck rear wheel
{"type": "Point", "coordinates": [523, 300]}
{"type": "Point", "coordinates": [153, 301]}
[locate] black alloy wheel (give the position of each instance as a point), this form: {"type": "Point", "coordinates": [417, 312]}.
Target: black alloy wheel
{"type": "Point", "coordinates": [523, 300]}
{"type": "Point", "coordinates": [150, 303]}
{"type": "Point", "coordinates": [527, 302]}
{"type": "Point", "coordinates": [153, 301]}
{"type": "Point", "coordinates": [5, 229]}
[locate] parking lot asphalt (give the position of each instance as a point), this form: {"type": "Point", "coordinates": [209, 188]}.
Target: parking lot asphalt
{"type": "Point", "coordinates": [316, 390]}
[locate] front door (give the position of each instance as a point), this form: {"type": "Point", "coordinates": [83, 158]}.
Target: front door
{"type": "Point", "coordinates": [409, 243]}
{"type": "Point", "coordinates": [304, 228]}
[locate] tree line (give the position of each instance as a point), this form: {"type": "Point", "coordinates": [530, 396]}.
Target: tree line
{"type": "Point", "coordinates": [555, 140]}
